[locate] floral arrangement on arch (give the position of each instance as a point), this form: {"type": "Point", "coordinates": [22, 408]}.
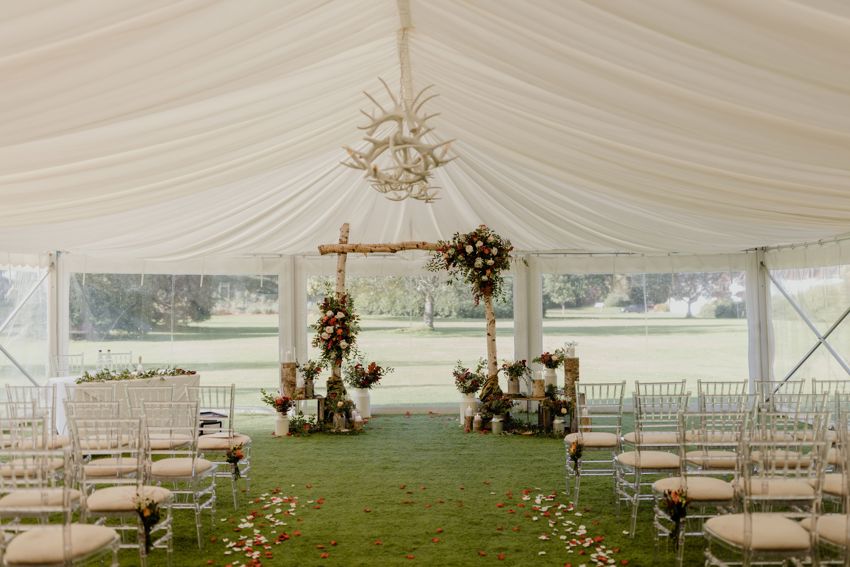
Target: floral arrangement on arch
{"type": "Point", "coordinates": [478, 258]}
{"type": "Point", "coordinates": [468, 381]}
{"type": "Point", "coordinates": [359, 376]}
{"type": "Point", "coordinates": [336, 328]}
{"type": "Point", "coordinates": [551, 360]}
{"type": "Point", "coordinates": [311, 369]}
{"type": "Point", "coordinates": [281, 404]}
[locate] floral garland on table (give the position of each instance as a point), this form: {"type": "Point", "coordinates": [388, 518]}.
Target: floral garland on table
{"type": "Point", "coordinates": [467, 381]}
{"type": "Point", "coordinates": [148, 511]}
{"type": "Point", "coordinates": [336, 329]}
{"type": "Point", "coordinates": [233, 456]}
{"type": "Point", "coordinates": [478, 258]}
{"type": "Point", "coordinates": [281, 404]}
{"type": "Point", "coordinates": [359, 376]}
{"type": "Point", "coordinates": [107, 375]}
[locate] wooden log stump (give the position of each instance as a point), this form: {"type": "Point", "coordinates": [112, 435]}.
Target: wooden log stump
{"type": "Point", "coordinates": [287, 379]}
{"type": "Point", "coordinates": [571, 376]}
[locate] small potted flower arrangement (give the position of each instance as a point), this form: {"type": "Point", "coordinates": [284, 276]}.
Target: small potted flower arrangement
{"type": "Point", "coordinates": [468, 382]}
{"type": "Point", "coordinates": [550, 361]}
{"type": "Point", "coordinates": [514, 371]}
{"type": "Point", "coordinates": [497, 407]}
{"type": "Point", "coordinates": [282, 405]}
{"type": "Point", "coordinates": [310, 370]}
{"type": "Point", "coordinates": [363, 378]}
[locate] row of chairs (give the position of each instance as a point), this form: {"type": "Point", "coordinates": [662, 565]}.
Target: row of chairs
{"type": "Point", "coordinates": [722, 440]}
{"type": "Point", "coordinates": [179, 465]}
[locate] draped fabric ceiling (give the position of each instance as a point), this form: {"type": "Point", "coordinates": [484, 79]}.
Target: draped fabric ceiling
{"type": "Point", "coordinates": [186, 129]}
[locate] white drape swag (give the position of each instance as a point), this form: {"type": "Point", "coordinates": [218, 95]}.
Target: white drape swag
{"type": "Point", "coordinates": [175, 130]}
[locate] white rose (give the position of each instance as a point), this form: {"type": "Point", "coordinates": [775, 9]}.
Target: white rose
{"type": "Point", "coordinates": [329, 329]}
{"type": "Point", "coordinates": [478, 262]}
{"type": "Point", "coordinates": [326, 336]}
{"type": "Point", "coordinates": [479, 244]}
{"type": "Point", "coordinates": [330, 313]}
{"type": "Point", "coordinates": [339, 404]}
{"type": "Point", "coordinates": [340, 315]}
{"type": "Point", "coordinates": [494, 250]}
{"type": "Point", "coordinates": [483, 278]}
{"type": "Point", "coordinates": [343, 344]}
{"type": "Point", "coordinates": [469, 249]}
{"type": "Point", "coordinates": [490, 238]}
{"type": "Point", "coordinates": [450, 252]}
{"type": "Point", "coordinates": [490, 262]}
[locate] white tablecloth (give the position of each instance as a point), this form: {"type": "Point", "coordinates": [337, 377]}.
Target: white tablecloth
{"type": "Point", "coordinates": [62, 382]}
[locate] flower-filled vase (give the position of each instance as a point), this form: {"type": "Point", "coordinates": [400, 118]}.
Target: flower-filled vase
{"type": "Point", "coordinates": [467, 401]}
{"type": "Point", "coordinates": [550, 377]}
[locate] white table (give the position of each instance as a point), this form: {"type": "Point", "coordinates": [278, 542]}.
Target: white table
{"type": "Point", "coordinates": [63, 382]}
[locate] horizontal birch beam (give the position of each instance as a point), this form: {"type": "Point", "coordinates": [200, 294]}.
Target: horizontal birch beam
{"type": "Point", "coordinates": [375, 248]}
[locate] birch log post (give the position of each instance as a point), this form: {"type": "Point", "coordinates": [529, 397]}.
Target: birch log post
{"type": "Point", "coordinates": [336, 371]}
{"type": "Point", "coordinates": [491, 387]}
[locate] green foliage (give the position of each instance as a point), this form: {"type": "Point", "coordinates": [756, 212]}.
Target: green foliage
{"type": "Point", "coordinates": [569, 290]}
{"type": "Point", "coordinates": [131, 305]}
{"type": "Point", "coordinates": [728, 309]}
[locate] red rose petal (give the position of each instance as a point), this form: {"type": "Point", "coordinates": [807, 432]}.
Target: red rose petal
{"type": "Point", "coordinates": [333, 542]}
{"type": "Point", "coordinates": [439, 530]}
{"type": "Point", "coordinates": [378, 542]}
{"type": "Point", "coordinates": [324, 555]}
{"type": "Point", "coordinates": [482, 553]}
{"type": "Point", "coordinates": [410, 556]}
{"type": "Point", "coordinates": [501, 556]}
{"type": "Point", "coordinates": [367, 510]}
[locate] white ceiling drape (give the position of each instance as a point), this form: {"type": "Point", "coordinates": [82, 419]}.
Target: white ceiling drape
{"type": "Point", "coordinates": [176, 130]}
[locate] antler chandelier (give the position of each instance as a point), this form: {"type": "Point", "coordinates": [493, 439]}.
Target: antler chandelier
{"type": "Point", "coordinates": [397, 160]}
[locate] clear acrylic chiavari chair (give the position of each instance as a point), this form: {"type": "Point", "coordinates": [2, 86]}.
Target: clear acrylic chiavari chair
{"type": "Point", "coordinates": [599, 414]}
{"type": "Point", "coordinates": [219, 435]}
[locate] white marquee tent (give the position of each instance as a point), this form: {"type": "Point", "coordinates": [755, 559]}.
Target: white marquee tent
{"type": "Point", "coordinates": [598, 135]}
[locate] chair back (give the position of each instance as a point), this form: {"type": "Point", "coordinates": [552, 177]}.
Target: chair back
{"type": "Point", "coordinates": [831, 387]}
{"type": "Point", "coordinates": [711, 442]}
{"type": "Point", "coordinates": [117, 449]}
{"type": "Point", "coordinates": [172, 428]}
{"type": "Point", "coordinates": [216, 405]}
{"type": "Point", "coordinates": [657, 419]}
{"type": "Point", "coordinates": [68, 364]}
{"type": "Point", "coordinates": [42, 398]}
{"type": "Point", "coordinates": [24, 463]}
{"type": "Point", "coordinates": [115, 361]}
{"type": "Point", "coordinates": [722, 396]}
{"type": "Point", "coordinates": [599, 407]}
{"type": "Point", "coordinates": [676, 388]}
{"type": "Point", "coordinates": [766, 389]}
{"type": "Point", "coordinates": [138, 395]}
{"type": "Point", "coordinates": [100, 392]}
{"type": "Point", "coordinates": [92, 410]}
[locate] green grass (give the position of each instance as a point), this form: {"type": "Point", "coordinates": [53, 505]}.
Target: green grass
{"type": "Point", "coordinates": [416, 475]}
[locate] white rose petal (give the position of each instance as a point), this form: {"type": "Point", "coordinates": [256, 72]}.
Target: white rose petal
{"type": "Point", "coordinates": [494, 250]}
{"type": "Point", "coordinates": [326, 336]}
{"type": "Point", "coordinates": [490, 262]}
{"type": "Point", "coordinates": [478, 262]}
{"type": "Point", "coordinates": [329, 329]}
{"type": "Point", "coordinates": [469, 249]}
{"type": "Point", "coordinates": [330, 313]}
{"type": "Point", "coordinates": [479, 244]}
{"type": "Point", "coordinates": [450, 252]}
{"type": "Point", "coordinates": [343, 344]}
{"type": "Point", "coordinates": [340, 315]}
{"type": "Point", "coordinates": [484, 278]}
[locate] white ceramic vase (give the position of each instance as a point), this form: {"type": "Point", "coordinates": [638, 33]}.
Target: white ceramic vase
{"type": "Point", "coordinates": [467, 401]}
{"type": "Point", "coordinates": [361, 399]}
{"type": "Point", "coordinates": [281, 425]}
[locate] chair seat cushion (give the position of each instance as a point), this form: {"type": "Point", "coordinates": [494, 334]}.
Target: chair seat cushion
{"type": "Point", "coordinates": [653, 437]}
{"type": "Point", "coordinates": [53, 442]}
{"type": "Point", "coordinates": [221, 441]}
{"type": "Point", "coordinates": [44, 544]}
{"type": "Point", "coordinates": [831, 527]}
{"type": "Point", "coordinates": [833, 484]}
{"type": "Point", "coordinates": [31, 498]}
{"type": "Point", "coordinates": [649, 459]}
{"type": "Point", "coordinates": [18, 467]}
{"type": "Point", "coordinates": [593, 439]}
{"type": "Point", "coordinates": [110, 466]}
{"type": "Point", "coordinates": [714, 459]}
{"type": "Point", "coordinates": [179, 467]}
{"type": "Point", "coordinates": [781, 458]}
{"type": "Point", "coordinates": [770, 532]}
{"type": "Point", "coordinates": [835, 456]}
{"type": "Point", "coordinates": [164, 441]}
{"type": "Point", "coordinates": [780, 487]}
{"type": "Point", "coordinates": [699, 488]}
{"type": "Point", "coordinates": [123, 498]}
